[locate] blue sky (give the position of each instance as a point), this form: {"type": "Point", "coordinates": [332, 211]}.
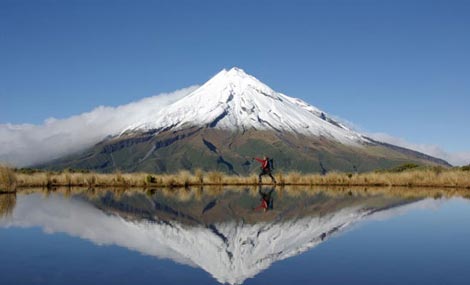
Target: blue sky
{"type": "Point", "coordinates": [398, 67]}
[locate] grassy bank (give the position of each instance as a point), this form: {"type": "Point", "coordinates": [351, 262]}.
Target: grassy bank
{"type": "Point", "coordinates": [399, 177]}
{"type": "Point", "coordinates": [7, 179]}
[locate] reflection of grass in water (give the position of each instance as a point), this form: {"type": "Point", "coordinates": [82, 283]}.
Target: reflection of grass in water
{"type": "Point", "coordinates": [7, 204]}
{"type": "Point", "coordinates": [198, 193]}
{"type": "Point", "coordinates": [213, 191]}
{"type": "Point", "coordinates": [183, 194]}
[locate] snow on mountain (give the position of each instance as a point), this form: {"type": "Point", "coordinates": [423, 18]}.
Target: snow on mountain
{"type": "Point", "coordinates": [230, 251]}
{"type": "Point", "coordinates": [234, 100]}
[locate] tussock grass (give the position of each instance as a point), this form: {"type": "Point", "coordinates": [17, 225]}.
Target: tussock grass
{"type": "Point", "coordinates": [294, 178]}
{"type": "Point", "coordinates": [215, 177]}
{"type": "Point", "coordinates": [7, 179]}
{"type": "Point", "coordinates": [406, 177]}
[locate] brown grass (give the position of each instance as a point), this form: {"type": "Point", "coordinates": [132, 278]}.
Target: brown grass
{"type": "Point", "coordinates": [7, 179]}
{"type": "Point", "coordinates": [451, 178]}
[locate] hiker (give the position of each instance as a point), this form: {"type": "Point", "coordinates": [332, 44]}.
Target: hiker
{"type": "Point", "coordinates": [266, 168]}
{"type": "Point", "coordinates": [266, 199]}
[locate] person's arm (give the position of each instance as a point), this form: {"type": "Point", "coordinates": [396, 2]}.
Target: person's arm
{"type": "Point", "coordinates": [259, 159]}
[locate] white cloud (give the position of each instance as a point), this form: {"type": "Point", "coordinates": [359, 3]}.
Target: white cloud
{"type": "Point", "coordinates": [26, 144]}
{"type": "Point", "coordinates": [454, 158]}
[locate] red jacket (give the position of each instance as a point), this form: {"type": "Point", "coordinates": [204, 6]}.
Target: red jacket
{"type": "Point", "coordinates": [264, 205]}
{"type": "Point", "coordinates": [264, 162]}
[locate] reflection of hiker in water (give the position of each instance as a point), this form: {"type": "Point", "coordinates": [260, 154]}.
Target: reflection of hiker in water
{"type": "Point", "coordinates": [267, 200]}
{"type": "Point", "coordinates": [266, 168]}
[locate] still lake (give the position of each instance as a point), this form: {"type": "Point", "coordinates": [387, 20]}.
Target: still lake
{"type": "Point", "coordinates": [234, 236]}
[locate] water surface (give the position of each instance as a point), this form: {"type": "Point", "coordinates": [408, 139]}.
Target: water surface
{"type": "Point", "coordinates": [230, 236]}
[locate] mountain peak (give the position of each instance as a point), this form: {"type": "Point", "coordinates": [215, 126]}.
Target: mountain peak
{"type": "Point", "coordinates": [237, 70]}
{"type": "Point", "coordinates": [234, 71]}
{"type": "Point", "coordinates": [234, 79]}
{"type": "Point", "coordinates": [235, 100]}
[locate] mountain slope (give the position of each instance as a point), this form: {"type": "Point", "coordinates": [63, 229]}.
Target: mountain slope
{"type": "Point", "coordinates": [211, 149]}
{"type": "Point", "coordinates": [234, 116]}
{"type": "Point", "coordinates": [234, 100]}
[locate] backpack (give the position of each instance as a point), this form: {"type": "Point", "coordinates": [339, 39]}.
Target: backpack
{"type": "Point", "coordinates": [270, 164]}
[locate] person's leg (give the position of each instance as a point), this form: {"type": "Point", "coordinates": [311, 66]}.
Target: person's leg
{"type": "Point", "coordinates": [263, 172]}
{"type": "Point", "coordinates": [272, 177]}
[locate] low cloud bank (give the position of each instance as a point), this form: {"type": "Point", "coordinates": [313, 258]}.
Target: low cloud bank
{"type": "Point", "coordinates": [454, 158]}
{"type": "Point", "coordinates": [26, 144]}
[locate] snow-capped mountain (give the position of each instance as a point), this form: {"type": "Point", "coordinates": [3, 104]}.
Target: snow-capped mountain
{"type": "Point", "coordinates": [231, 251]}
{"type": "Point", "coordinates": [234, 100]}
{"type": "Point", "coordinates": [229, 118]}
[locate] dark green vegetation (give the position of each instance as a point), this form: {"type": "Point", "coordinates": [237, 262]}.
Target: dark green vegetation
{"type": "Point", "coordinates": [230, 152]}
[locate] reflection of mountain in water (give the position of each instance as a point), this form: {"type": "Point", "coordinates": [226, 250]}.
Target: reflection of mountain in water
{"type": "Point", "coordinates": [221, 234]}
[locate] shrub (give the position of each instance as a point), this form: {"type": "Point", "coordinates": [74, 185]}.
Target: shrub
{"type": "Point", "coordinates": [404, 167]}
{"type": "Point", "coordinates": [27, 170]}
{"type": "Point", "coordinates": [437, 169]}
{"type": "Point", "coordinates": [149, 179]}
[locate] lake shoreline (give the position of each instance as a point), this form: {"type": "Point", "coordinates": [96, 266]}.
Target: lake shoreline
{"type": "Point", "coordinates": [149, 186]}
{"type": "Point", "coordinates": [296, 190]}
{"type": "Point", "coordinates": [11, 179]}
